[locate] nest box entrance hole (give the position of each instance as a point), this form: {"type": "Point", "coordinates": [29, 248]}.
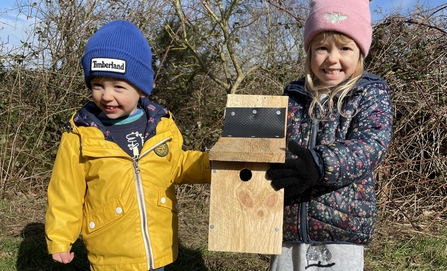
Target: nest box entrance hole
{"type": "Point", "coordinates": [245, 174]}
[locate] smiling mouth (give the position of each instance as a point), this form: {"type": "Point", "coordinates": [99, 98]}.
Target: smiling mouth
{"type": "Point", "coordinates": [110, 109]}
{"type": "Point", "coordinates": [334, 72]}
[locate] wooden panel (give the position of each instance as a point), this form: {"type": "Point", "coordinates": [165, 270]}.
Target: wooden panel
{"type": "Point", "coordinates": [245, 215]}
{"type": "Point", "coordinates": [264, 150]}
{"type": "Point", "coordinates": [239, 100]}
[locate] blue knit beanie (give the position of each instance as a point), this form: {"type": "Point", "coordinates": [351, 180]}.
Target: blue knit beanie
{"type": "Point", "coordinates": [119, 50]}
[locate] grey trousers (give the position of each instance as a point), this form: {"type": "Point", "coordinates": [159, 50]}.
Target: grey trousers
{"type": "Point", "coordinates": [330, 257]}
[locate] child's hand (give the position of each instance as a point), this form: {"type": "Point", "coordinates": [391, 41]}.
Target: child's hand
{"type": "Point", "coordinates": [63, 257]}
{"type": "Point", "coordinates": [296, 174]}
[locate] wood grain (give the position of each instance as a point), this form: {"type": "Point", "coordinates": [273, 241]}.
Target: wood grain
{"type": "Point", "coordinates": [246, 213]}
{"type": "Point", "coordinates": [245, 216]}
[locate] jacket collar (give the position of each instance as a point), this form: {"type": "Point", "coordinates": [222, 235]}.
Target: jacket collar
{"type": "Point", "coordinates": [297, 87]}
{"type": "Point", "coordinates": [87, 117]}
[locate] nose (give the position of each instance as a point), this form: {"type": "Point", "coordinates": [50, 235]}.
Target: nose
{"type": "Point", "coordinates": [333, 56]}
{"type": "Point", "coordinates": [107, 94]}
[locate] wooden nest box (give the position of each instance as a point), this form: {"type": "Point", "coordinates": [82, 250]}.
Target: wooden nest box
{"type": "Point", "coordinates": [246, 213]}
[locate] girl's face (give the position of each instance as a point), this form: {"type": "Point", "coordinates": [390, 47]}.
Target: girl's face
{"type": "Point", "coordinates": [116, 98]}
{"type": "Point", "coordinates": [333, 59]}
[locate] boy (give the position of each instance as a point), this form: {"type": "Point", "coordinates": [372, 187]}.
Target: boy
{"type": "Point", "coordinates": [117, 163]}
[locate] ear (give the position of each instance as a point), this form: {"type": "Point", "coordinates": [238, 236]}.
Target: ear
{"type": "Point", "coordinates": [142, 94]}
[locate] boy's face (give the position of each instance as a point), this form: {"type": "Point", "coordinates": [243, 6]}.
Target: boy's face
{"type": "Point", "coordinates": [115, 97]}
{"type": "Point", "coordinates": [333, 61]}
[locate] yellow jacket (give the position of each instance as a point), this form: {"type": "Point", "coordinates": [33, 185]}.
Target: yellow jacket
{"type": "Point", "coordinates": [125, 208]}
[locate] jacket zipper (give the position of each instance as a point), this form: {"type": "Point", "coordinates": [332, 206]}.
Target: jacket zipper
{"type": "Point", "coordinates": [142, 205]}
{"type": "Point", "coordinates": [306, 197]}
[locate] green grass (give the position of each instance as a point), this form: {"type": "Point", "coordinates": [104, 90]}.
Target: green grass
{"type": "Point", "coordinates": [28, 252]}
{"type": "Point", "coordinates": [418, 252]}
{"type": "Point", "coordinates": [9, 250]}
{"type": "Point", "coordinates": [395, 246]}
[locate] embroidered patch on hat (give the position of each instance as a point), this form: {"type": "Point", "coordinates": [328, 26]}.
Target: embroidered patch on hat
{"type": "Point", "coordinates": [162, 150]}
{"type": "Point", "coordinates": [335, 17]}
{"type": "Point", "coordinates": [108, 65]}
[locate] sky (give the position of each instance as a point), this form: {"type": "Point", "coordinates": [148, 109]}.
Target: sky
{"type": "Point", "coordinates": [13, 25]}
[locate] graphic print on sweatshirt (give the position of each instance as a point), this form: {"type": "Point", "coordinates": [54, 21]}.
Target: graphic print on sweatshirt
{"type": "Point", "coordinates": [135, 141]}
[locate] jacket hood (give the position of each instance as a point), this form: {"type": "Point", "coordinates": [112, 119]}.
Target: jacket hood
{"type": "Point", "coordinates": [298, 85]}
{"type": "Point", "coordinates": [87, 117]}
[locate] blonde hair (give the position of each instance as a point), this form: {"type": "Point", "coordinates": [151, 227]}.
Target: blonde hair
{"type": "Point", "coordinates": [341, 90]}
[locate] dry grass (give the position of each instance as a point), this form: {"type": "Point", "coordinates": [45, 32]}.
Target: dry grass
{"type": "Point", "coordinates": [396, 244]}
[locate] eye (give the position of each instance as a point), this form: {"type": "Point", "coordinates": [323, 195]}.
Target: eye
{"type": "Point", "coordinates": [349, 46]}
{"type": "Point", "coordinates": [120, 87]}
{"type": "Point", "coordinates": [321, 48]}
{"type": "Point", "coordinates": [97, 86]}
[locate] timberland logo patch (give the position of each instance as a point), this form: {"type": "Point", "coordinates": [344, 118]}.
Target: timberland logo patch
{"type": "Point", "coordinates": [108, 65]}
{"type": "Point", "coordinates": [162, 150]}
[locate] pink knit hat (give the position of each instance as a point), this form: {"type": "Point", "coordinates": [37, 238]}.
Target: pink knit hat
{"type": "Point", "coordinates": [350, 17]}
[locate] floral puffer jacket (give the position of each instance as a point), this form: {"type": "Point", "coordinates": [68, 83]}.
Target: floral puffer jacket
{"type": "Point", "coordinates": [341, 208]}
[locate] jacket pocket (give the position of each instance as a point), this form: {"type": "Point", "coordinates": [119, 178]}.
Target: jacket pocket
{"type": "Point", "coordinates": [167, 199]}
{"type": "Point", "coordinates": [104, 215]}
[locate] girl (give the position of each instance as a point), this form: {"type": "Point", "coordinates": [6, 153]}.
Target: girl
{"type": "Point", "coordinates": [338, 131]}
